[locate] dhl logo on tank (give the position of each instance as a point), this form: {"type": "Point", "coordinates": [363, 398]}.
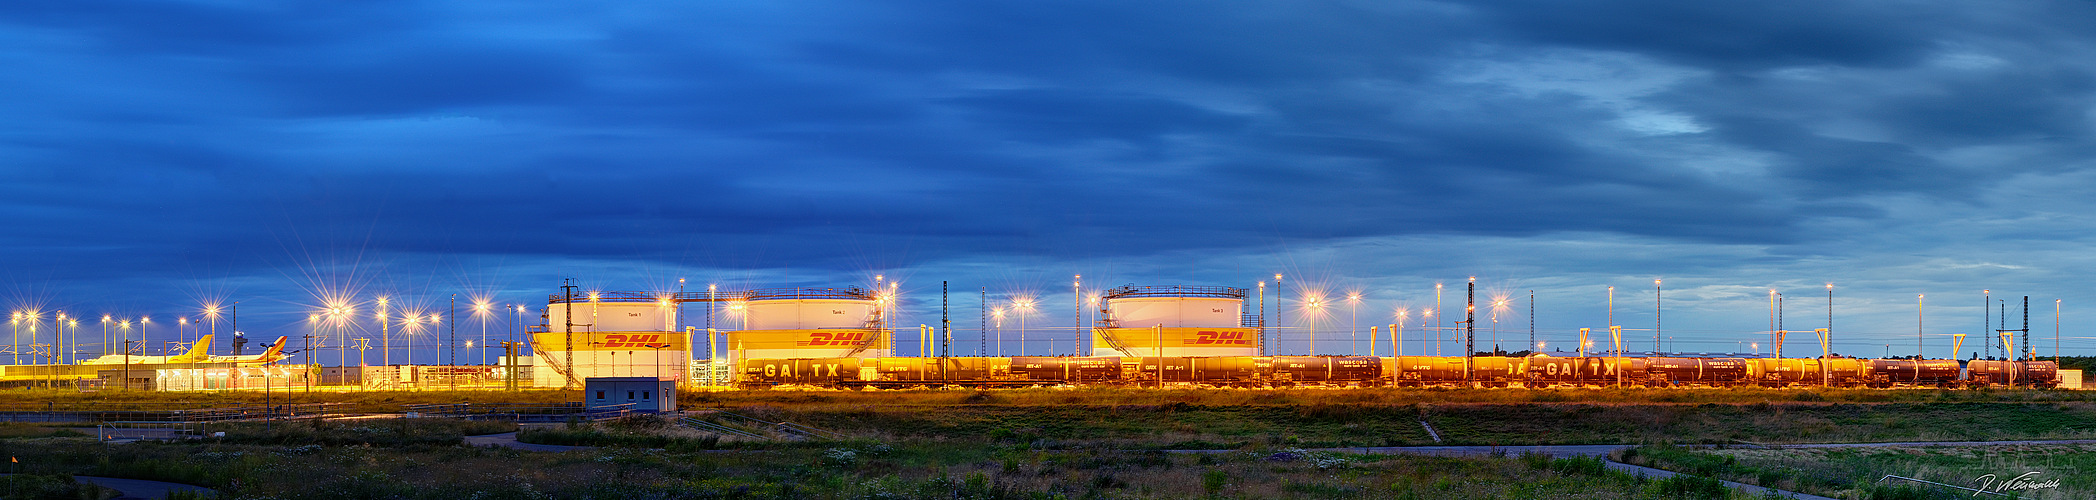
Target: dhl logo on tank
{"type": "Point", "coordinates": [847, 338]}
{"type": "Point", "coordinates": [633, 341]}
{"type": "Point", "coordinates": [615, 341]}
{"type": "Point", "coordinates": [1218, 338]}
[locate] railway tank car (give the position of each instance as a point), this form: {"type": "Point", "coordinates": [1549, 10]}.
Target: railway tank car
{"type": "Point", "coordinates": [1546, 371]}
{"type": "Point", "coordinates": [1997, 373]}
{"type": "Point", "coordinates": [1787, 372]}
{"type": "Point", "coordinates": [1057, 370]}
{"type": "Point", "coordinates": [1535, 371]}
{"type": "Point", "coordinates": [1887, 373]}
{"type": "Point", "coordinates": [1326, 370]}
{"type": "Point", "coordinates": [1712, 372]}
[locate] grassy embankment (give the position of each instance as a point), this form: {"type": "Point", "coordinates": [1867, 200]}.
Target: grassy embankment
{"type": "Point", "coordinates": [386, 468]}
{"type": "Point", "coordinates": [1042, 443]}
{"type": "Point", "coordinates": [1229, 419]}
{"type": "Point", "coordinates": [1327, 418]}
{"type": "Point", "coordinates": [1846, 472]}
{"type": "Point", "coordinates": [381, 401]}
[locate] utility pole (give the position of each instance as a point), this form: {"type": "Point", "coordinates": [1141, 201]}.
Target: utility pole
{"type": "Point", "coordinates": [1655, 316]}
{"type": "Point", "coordinates": [451, 320]}
{"type": "Point", "coordinates": [307, 369]}
{"type": "Point", "coordinates": [945, 336]}
{"type": "Point", "coordinates": [1262, 317]}
{"type": "Point", "coordinates": [385, 335]}
{"type": "Point", "coordinates": [567, 299]}
{"type": "Point", "coordinates": [509, 364]}
{"type": "Point", "coordinates": [1830, 315]}
{"type": "Point", "coordinates": [1470, 332]}
{"type": "Point", "coordinates": [982, 332]}
{"type": "Point", "coordinates": [1280, 314]}
{"type": "Point", "coordinates": [2025, 327]}
{"type": "Point", "coordinates": [363, 344]}
{"type": "Point", "coordinates": [1987, 319]}
{"type": "Point", "coordinates": [1077, 315]}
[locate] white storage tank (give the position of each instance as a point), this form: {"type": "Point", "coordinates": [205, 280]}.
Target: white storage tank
{"type": "Point", "coordinates": [807, 314]}
{"type": "Point", "coordinates": [616, 334]}
{"type": "Point", "coordinates": [800, 323]}
{"type": "Point", "coordinates": [1196, 321]}
{"type": "Point", "coordinates": [1176, 312]}
{"type": "Point", "coordinates": [614, 312]}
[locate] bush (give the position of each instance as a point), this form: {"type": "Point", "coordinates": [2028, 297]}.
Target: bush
{"type": "Point", "coordinates": [397, 432]}
{"type": "Point", "coordinates": [51, 487]}
{"type": "Point", "coordinates": [1686, 486]}
{"type": "Point", "coordinates": [590, 436]}
{"type": "Point", "coordinates": [1214, 480]}
{"type": "Point", "coordinates": [1579, 466]}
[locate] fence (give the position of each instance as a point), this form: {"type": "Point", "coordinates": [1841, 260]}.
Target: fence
{"type": "Point", "coordinates": [521, 413]}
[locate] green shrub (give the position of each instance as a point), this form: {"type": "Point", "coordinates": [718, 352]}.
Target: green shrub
{"type": "Point", "coordinates": [1214, 480]}
{"type": "Point", "coordinates": [1579, 466]}
{"type": "Point", "coordinates": [1686, 486]}
{"type": "Point", "coordinates": [47, 487]}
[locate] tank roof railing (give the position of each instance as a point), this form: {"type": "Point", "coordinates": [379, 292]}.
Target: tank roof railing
{"type": "Point", "coordinates": [846, 293]}
{"type": "Point", "coordinates": [1214, 292]}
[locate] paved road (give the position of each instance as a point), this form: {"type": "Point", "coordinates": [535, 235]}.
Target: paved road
{"type": "Point", "coordinates": [509, 440]}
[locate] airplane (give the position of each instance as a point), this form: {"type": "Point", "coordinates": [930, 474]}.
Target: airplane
{"type": "Point", "coordinates": [271, 355]}
{"type": "Point", "coordinates": [198, 353]}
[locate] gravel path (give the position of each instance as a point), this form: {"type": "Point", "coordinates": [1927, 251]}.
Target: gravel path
{"type": "Point", "coordinates": [509, 440]}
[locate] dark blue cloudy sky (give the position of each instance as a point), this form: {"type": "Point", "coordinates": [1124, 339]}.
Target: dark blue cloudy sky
{"type": "Point", "coordinates": [162, 154]}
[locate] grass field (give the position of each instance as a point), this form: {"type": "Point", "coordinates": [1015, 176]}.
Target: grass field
{"type": "Point", "coordinates": [1065, 443]}
{"type": "Point", "coordinates": [1182, 426]}
{"type": "Point", "coordinates": [375, 401]}
{"type": "Point", "coordinates": [837, 470]}
{"type": "Point", "coordinates": [1841, 472]}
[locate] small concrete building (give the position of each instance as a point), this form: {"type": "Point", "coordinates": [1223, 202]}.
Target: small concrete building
{"type": "Point", "coordinates": [646, 394]}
